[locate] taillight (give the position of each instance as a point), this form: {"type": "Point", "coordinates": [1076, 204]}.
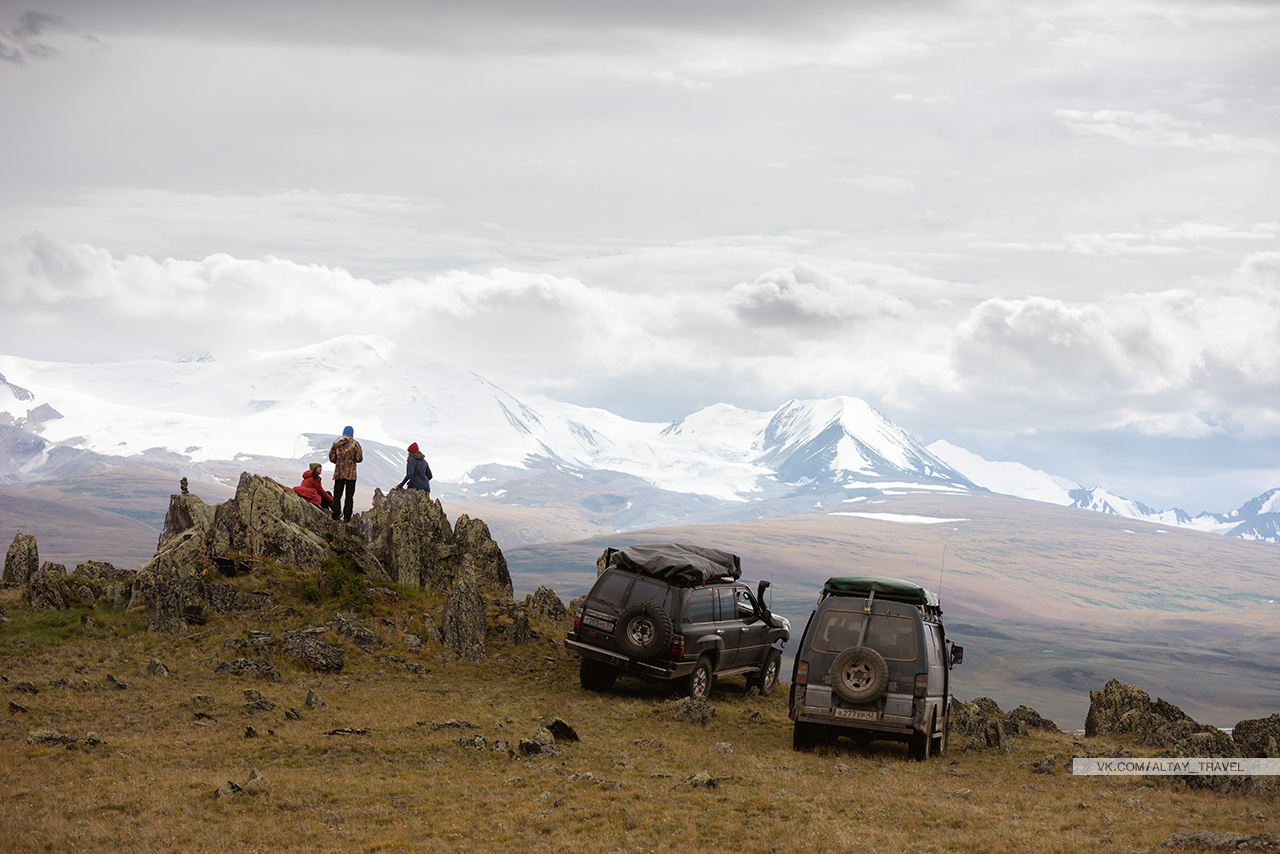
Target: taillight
{"type": "Point", "coordinates": [577, 619]}
{"type": "Point", "coordinates": [922, 685]}
{"type": "Point", "coordinates": [677, 646]}
{"type": "Point", "coordinates": [802, 673]}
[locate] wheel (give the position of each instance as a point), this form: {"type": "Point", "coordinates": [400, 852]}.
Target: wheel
{"type": "Point", "coordinates": [767, 678]}
{"type": "Point", "coordinates": [920, 742]}
{"type": "Point", "coordinates": [859, 674]}
{"type": "Point", "coordinates": [804, 736]}
{"type": "Point", "coordinates": [697, 684]}
{"type": "Point", "coordinates": [643, 630]}
{"type": "Point", "coordinates": [940, 738]}
{"type": "Point", "coordinates": [596, 675]}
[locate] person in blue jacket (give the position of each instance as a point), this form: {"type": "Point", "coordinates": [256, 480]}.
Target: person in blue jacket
{"type": "Point", "coordinates": [417, 472]}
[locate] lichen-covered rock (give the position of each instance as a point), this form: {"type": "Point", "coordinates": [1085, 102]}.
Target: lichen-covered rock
{"type": "Point", "coordinates": [1119, 708]}
{"type": "Point", "coordinates": [1032, 720]}
{"type": "Point", "coordinates": [309, 651]}
{"type": "Point", "coordinates": [465, 622]}
{"type": "Point", "coordinates": [545, 606]}
{"type": "Point", "coordinates": [348, 625]}
{"type": "Point", "coordinates": [475, 541]}
{"type": "Point", "coordinates": [543, 743]}
{"type": "Point", "coordinates": [1258, 738]}
{"type": "Point", "coordinates": [688, 710]}
{"type": "Point", "coordinates": [47, 588]}
{"type": "Point", "coordinates": [411, 536]}
{"type": "Point", "coordinates": [21, 560]}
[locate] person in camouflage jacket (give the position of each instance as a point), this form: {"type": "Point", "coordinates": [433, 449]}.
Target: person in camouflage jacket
{"type": "Point", "coordinates": [344, 454]}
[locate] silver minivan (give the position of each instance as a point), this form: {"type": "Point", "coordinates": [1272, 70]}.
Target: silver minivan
{"type": "Point", "coordinates": [874, 663]}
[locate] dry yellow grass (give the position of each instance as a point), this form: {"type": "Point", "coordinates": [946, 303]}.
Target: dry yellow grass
{"type": "Point", "coordinates": [406, 785]}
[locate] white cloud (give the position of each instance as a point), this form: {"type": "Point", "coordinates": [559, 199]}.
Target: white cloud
{"type": "Point", "coordinates": [1152, 127]}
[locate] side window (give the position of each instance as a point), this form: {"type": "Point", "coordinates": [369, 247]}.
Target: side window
{"type": "Point", "coordinates": [935, 645]}
{"type": "Point", "coordinates": [702, 606]}
{"type": "Point", "coordinates": [724, 604]}
{"type": "Point", "coordinates": [746, 605]}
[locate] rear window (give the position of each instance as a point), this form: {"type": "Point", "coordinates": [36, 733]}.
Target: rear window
{"type": "Point", "coordinates": [611, 589]}
{"type": "Point", "coordinates": [893, 637]}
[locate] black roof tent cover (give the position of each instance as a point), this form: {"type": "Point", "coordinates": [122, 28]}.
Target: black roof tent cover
{"type": "Point", "coordinates": [678, 563]}
{"type": "Point", "coordinates": [887, 588]}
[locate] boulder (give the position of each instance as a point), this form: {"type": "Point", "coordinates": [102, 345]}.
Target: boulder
{"type": "Point", "coordinates": [1119, 708]}
{"type": "Point", "coordinates": [22, 560]}
{"type": "Point", "coordinates": [1258, 738]}
{"type": "Point", "coordinates": [1031, 719]}
{"type": "Point", "coordinates": [310, 652]}
{"type": "Point", "coordinates": [47, 589]}
{"type": "Point", "coordinates": [409, 533]}
{"type": "Point", "coordinates": [465, 622]}
{"type": "Point", "coordinates": [545, 606]}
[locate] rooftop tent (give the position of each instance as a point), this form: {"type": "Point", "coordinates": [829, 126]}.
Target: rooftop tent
{"type": "Point", "coordinates": [892, 588]}
{"type": "Point", "coordinates": [677, 562]}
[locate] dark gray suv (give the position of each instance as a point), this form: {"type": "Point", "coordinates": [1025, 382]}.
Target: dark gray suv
{"type": "Point", "coordinates": [676, 612]}
{"type": "Point", "coordinates": [874, 663]}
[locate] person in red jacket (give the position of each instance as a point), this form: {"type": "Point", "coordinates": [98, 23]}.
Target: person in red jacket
{"type": "Point", "coordinates": [313, 490]}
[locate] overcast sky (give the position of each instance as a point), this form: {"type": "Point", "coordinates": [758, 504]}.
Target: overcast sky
{"type": "Point", "coordinates": [1044, 231]}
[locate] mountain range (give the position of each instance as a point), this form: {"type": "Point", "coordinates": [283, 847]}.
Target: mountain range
{"type": "Point", "coordinates": [275, 411]}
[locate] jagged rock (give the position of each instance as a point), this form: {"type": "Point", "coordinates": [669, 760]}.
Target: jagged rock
{"type": "Point", "coordinates": [411, 536]}
{"type": "Point", "coordinates": [227, 789]}
{"type": "Point", "coordinates": [115, 683]}
{"type": "Point", "coordinates": [1032, 720]}
{"type": "Point", "coordinates": [349, 626]}
{"type": "Point", "coordinates": [431, 632]}
{"type": "Point", "coordinates": [543, 743]}
{"type": "Point", "coordinates": [250, 731]}
{"type": "Point", "coordinates": [1119, 708]}
{"type": "Point", "coordinates": [517, 629]}
{"type": "Point", "coordinates": [560, 730]}
{"type": "Point", "coordinates": [475, 541]}
{"type": "Point", "coordinates": [1217, 840]}
{"type": "Point", "coordinates": [17, 708]}
{"type": "Point", "coordinates": [465, 622]}
{"type": "Point", "coordinates": [46, 588]}
{"type": "Point", "coordinates": [412, 642]}
{"type": "Point", "coordinates": [248, 667]}
{"type": "Point", "coordinates": [688, 710]}
{"type": "Point", "coordinates": [316, 654]}
{"type": "Point", "coordinates": [313, 700]}
{"type": "Point", "coordinates": [545, 606]}
{"type": "Point", "coordinates": [22, 559]}
{"type": "Point", "coordinates": [255, 702]}
{"type": "Point", "coordinates": [1258, 738]}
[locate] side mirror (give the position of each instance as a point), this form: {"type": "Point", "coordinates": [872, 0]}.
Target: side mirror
{"type": "Point", "coordinates": [957, 654]}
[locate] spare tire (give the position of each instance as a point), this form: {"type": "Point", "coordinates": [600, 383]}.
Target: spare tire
{"type": "Point", "coordinates": [859, 674]}
{"type": "Point", "coordinates": [643, 630]}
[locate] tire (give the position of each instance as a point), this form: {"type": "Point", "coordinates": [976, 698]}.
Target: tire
{"type": "Point", "coordinates": [940, 738]}
{"type": "Point", "coordinates": [643, 630]}
{"type": "Point", "coordinates": [859, 675]}
{"type": "Point", "coordinates": [767, 679]}
{"type": "Point", "coordinates": [697, 685]}
{"type": "Point", "coordinates": [596, 675]}
{"type": "Point", "coordinates": [920, 743]}
{"type": "Point", "coordinates": [804, 736]}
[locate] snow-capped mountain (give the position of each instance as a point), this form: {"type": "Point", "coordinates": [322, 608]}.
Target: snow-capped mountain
{"type": "Point", "coordinates": [210, 415]}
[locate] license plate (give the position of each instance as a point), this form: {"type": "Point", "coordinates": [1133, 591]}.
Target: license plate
{"type": "Point", "coordinates": [857, 714]}
{"type": "Point", "coordinates": [596, 620]}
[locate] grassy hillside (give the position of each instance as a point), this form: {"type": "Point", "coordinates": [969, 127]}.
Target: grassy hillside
{"type": "Point", "coordinates": [410, 751]}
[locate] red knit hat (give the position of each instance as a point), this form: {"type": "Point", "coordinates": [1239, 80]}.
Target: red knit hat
{"type": "Point", "coordinates": [413, 449]}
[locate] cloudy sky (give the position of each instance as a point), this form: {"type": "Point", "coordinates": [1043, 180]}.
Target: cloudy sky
{"type": "Point", "coordinates": [1044, 231]}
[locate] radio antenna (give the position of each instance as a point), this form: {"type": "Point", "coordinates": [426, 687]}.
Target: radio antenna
{"type": "Point", "coordinates": [944, 567]}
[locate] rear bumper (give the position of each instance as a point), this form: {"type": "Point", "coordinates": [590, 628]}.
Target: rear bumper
{"type": "Point", "coordinates": [655, 669]}
{"type": "Point", "coordinates": [893, 713]}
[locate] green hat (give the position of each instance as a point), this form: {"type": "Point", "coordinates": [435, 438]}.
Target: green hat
{"type": "Point", "coordinates": [315, 466]}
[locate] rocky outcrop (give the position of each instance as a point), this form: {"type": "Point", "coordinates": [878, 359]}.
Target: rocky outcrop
{"type": "Point", "coordinates": [543, 605]}
{"type": "Point", "coordinates": [92, 584]}
{"type": "Point", "coordinates": [981, 724]}
{"type": "Point", "coordinates": [410, 535]}
{"type": "Point", "coordinates": [465, 623]}
{"type": "Point", "coordinates": [1260, 738]}
{"type": "Point", "coordinates": [22, 560]}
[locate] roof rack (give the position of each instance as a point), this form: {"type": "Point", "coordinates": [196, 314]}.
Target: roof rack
{"type": "Point", "coordinates": [892, 589]}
